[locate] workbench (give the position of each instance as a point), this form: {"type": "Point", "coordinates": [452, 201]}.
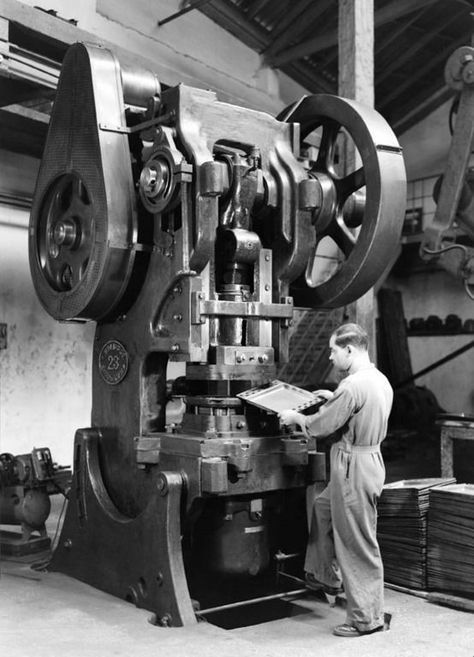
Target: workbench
{"type": "Point", "coordinates": [453, 428]}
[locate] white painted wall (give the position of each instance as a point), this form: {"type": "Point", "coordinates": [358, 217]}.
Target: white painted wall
{"type": "Point", "coordinates": [192, 49]}
{"type": "Point", "coordinates": [45, 391]}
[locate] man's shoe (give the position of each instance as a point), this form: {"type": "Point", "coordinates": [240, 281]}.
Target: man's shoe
{"type": "Point", "coordinates": [346, 630]}
{"type": "Point", "coordinates": [351, 631]}
{"type": "Point", "coordinates": [315, 585]}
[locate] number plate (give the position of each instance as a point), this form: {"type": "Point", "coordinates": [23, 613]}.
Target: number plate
{"type": "Point", "coordinates": [113, 362]}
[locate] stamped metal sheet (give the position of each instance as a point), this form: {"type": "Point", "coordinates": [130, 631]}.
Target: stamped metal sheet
{"type": "Point", "coordinates": [278, 396]}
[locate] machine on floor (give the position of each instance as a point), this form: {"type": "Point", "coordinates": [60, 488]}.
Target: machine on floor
{"type": "Point", "coordinates": [188, 229]}
{"type": "Point", "coordinates": [26, 483]}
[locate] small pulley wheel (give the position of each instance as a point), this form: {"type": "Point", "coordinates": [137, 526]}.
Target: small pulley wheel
{"type": "Point", "coordinates": [459, 68]}
{"type": "Point", "coordinates": [361, 210]}
{"type": "Point", "coordinates": [71, 256]}
{"type": "Point", "coordinates": [158, 180]}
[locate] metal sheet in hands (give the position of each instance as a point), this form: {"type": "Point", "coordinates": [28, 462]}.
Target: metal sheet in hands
{"type": "Point", "coordinates": [279, 396]}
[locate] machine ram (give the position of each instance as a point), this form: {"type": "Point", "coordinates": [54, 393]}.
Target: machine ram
{"type": "Point", "coordinates": [188, 230]}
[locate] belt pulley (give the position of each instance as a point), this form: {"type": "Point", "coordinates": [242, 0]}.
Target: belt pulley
{"type": "Point", "coordinates": [360, 209]}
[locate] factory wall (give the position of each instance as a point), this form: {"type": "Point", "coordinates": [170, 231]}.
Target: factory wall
{"type": "Point", "coordinates": [426, 144]}
{"type": "Point", "coordinates": [45, 384]}
{"type": "Point", "coordinates": [191, 49]}
{"type": "Point", "coordinates": [438, 293]}
{"type": "Point", "coordinates": [45, 369]}
{"type": "Point", "coordinates": [432, 291]}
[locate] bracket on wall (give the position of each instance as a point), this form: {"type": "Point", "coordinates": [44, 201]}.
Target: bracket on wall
{"type": "Point", "coordinates": [190, 7]}
{"type": "Point", "coordinates": [3, 336]}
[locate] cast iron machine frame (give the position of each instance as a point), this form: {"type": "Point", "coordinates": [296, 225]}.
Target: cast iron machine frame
{"type": "Point", "coordinates": [186, 228]}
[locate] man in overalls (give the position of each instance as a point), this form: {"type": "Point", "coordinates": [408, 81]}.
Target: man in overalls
{"type": "Point", "coordinates": [342, 547]}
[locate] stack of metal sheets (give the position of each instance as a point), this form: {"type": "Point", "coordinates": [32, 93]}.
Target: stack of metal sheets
{"type": "Point", "coordinates": [450, 562]}
{"type": "Point", "coordinates": [401, 529]}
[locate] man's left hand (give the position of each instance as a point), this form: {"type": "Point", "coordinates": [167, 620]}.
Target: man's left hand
{"type": "Point", "coordinates": [289, 417]}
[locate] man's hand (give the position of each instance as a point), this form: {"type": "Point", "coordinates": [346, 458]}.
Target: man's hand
{"type": "Point", "coordinates": [290, 417]}
{"type": "Point", "coordinates": [293, 417]}
{"type": "Point", "coordinates": [323, 394]}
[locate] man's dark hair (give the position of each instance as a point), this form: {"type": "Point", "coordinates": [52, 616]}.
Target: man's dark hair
{"type": "Point", "coordinates": [351, 334]}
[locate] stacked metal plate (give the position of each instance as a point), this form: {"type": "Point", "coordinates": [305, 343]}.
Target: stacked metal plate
{"type": "Point", "coordinates": [450, 562]}
{"type": "Point", "coordinates": [401, 529]}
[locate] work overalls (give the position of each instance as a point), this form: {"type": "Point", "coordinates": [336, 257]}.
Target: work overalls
{"type": "Point", "coordinates": [343, 544]}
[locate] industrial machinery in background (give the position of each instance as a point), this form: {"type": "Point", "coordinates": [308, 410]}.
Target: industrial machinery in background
{"type": "Point", "coordinates": [454, 191]}
{"type": "Point", "coordinates": [188, 229]}
{"type": "Point", "coordinates": [26, 483]}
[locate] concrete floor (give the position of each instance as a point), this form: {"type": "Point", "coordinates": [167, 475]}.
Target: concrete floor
{"type": "Point", "coordinates": [49, 614]}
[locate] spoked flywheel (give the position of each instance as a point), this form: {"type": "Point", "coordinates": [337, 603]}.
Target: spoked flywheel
{"type": "Point", "coordinates": [361, 210]}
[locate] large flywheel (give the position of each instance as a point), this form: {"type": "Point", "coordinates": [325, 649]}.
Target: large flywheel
{"type": "Point", "coordinates": [83, 225]}
{"type": "Point", "coordinates": [361, 210]}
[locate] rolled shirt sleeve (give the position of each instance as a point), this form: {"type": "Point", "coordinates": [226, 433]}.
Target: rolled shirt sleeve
{"type": "Point", "coordinates": [333, 415]}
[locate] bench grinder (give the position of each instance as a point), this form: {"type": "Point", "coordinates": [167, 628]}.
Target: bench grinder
{"type": "Point", "coordinates": [187, 229]}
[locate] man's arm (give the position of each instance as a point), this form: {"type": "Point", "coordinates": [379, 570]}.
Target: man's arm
{"type": "Point", "coordinates": [330, 417]}
{"type": "Point", "coordinates": [323, 394]}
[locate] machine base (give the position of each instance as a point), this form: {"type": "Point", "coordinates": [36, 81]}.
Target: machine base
{"type": "Point", "coordinates": [14, 544]}
{"type": "Point", "coordinates": [137, 559]}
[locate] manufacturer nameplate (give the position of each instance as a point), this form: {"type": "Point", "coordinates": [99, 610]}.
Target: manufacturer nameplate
{"type": "Point", "coordinates": [113, 362]}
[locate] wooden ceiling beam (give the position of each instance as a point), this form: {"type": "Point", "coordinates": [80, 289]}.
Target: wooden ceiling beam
{"type": "Point", "coordinates": [383, 44]}
{"type": "Point", "coordinates": [23, 130]}
{"type": "Point", "coordinates": [428, 103]}
{"type": "Point", "coordinates": [297, 19]}
{"type": "Point", "coordinates": [417, 46]}
{"type": "Point", "coordinates": [396, 9]}
{"type": "Point", "coordinates": [309, 78]}
{"type": "Point", "coordinates": [255, 7]}
{"type": "Point", "coordinates": [233, 20]}
{"type": "Point", "coordinates": [13, 90]}
{"type": "Point", "coordinates": [418, 73]}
